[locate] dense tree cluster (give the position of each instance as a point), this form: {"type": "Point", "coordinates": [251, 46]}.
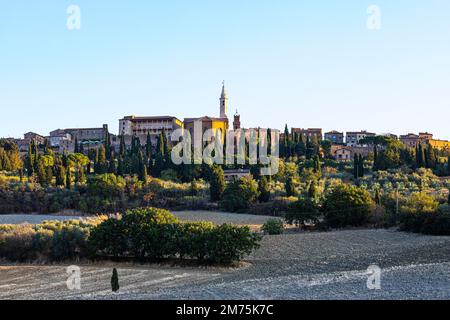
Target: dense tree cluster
{"type": "Point", "coordinates": [9, 156]}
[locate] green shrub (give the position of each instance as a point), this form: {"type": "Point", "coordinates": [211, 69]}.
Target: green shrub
{"type": "Point", "coordinates": [48, 241]}
{"type": "Point", "coordinates": [273, 227]}
{"type": "Point", "coordinates": [156, 234]}
{"type": "Point", "coordinates": [216, 183]}
{"type": "Point", "coordinates": [228, 243]}
{"type": "Point", "coordinates": [303, 211]}
{"type": "Point", "coordinates": [240, 194]}
{"type": "Point", "coordinates": [438, 224]}
{"type": "Point", "coordinates": [419, 213]}
{"type": "Point", "coordinates": [17, 243]}
{"type": "Point", "coordinates": [347, 205]}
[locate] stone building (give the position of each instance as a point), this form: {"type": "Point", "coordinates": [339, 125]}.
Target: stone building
{"type": "Point", "coordinates": [309, 133]}
{"type": "Point", "coordinates": [82, 134]}
{"type": "Point", "coordinates": [410, 140]}
{"type": "Point", "coordinates": [335, 137]}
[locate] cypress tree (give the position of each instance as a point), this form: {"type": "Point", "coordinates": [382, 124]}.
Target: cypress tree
{"type": "Point", "coordinates": [264, 190]}
{"type": "Point", "coordinates": [142, 171]}
{"type": "Point", "coordinates": [48, 175]}
{"type": "Point", "coordinates": [216, 183]}
{"type": "Point", "coordinates": [361, 166]}
{"type": "Point", "coordinates": [377, 196]}
{"type": "Point", "coordinates": [112, 166]}
{"type": "Point", "coordinates": [375, 158]}
{"type": "Point", "coordinates": [29, 163]}
{"type": "Point", "coordinates": [120, 168]}
{"type": "Point", "coordinates": [76, 150]}
{"type": "Point", "coordinates": [312, 190]}
{"type": "Point", "coordinates": [122, 149]}
{"type": "Point", "coordinates": [41, 173]}
{"type": "Point", "coordinates": [68, 178]}
{"type": "Point", "coordinates": [101, 164]}
{"type": "Point", "coordinates": [448, 166]}
{"type": "Point", "coordinates": [60, 176]}
{"type": "Point", "coordinates": [356, 166]}
{"type": "Point", "coordinates": [290, 187]}
{"type": "Point", "coordinates": [115, 281]}
{"type": "Point", "coordinates": [148, 146]}
{"type": "Point", "coordinates": [317, 165]}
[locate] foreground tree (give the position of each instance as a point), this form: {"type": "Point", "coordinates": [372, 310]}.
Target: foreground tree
{"type": "Point", "coordinates": [240, 194]}
{"type": "Point", "coordinates": [347, 205]}
{"type": "Point", "coordinates": [264, 189]}
{"type": "Point", "coordinates": [216, 183]}
{"type": "Point", "coordinates": [115, 281]}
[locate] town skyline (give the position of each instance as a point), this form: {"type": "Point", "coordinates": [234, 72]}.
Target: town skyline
{"type": "Point", "coordinates": [224, 112]}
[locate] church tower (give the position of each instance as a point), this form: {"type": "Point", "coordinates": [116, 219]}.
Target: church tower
{"type": "Point", "coordinates": [223, 102]}
{"type": "Point", "coordinates": [237, 121]}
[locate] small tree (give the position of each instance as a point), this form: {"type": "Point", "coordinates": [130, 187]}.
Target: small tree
{"type": "Point", "coordinates": [115, 281]}
{"type": "Point", "coordinates": [216, 183]}
{"type": "Point", "coordinates": [290, 187]}
{"type": "Point", "coordinates": [312, 191]}
{"type": "Point", "coordinates": [239, 194]}
{"type": "Point", "coordinates": [264, 190]}
{"type": "Point", "coordinates": [347, 205]}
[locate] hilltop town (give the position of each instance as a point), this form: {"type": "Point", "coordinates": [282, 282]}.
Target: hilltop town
{"type": "Point", "coordinates": [343, 146]}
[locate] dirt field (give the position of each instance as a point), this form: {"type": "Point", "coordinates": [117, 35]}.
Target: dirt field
{"type": "Point", "coordinates": [294, 266]}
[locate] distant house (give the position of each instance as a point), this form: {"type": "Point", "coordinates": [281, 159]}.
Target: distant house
{"type": "Point", "coordinates": [230, 175]}
{"type": "Point", "coordinates": [27, 138]}
{"type": "Point", "coordinates": [354, 138]}
{"type": "Point", "coordinates": [439, 144]}
{"type": "Point", "coordinates": [343, 154]}
{"type": "Point", "coordinates": [410, 140]}
{"type": "Point", "coordinates": [335, 137]}
{"type": "Point", "coordinates": [83, 134]}
{"type": "Point", "coordinates": [309, 133]}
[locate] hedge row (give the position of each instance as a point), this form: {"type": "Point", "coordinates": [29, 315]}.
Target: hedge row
{"type": "Point", "coordinates": [153, 234]}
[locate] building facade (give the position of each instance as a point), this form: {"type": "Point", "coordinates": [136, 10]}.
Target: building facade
{"type": "Point", "coordinates": [83, 134]}
{"type": "Point", "coordinates": [309, 133]}
{"type": "Point", "coordinates": [343, 154]}
{"type": "Point", "coordinates": [142, 126]}
{"type": "Point", "coordinates": [410, 140]}
{"type": "Point", "coordinates": [354, 138]}
{"type": "Point", "coordinates": [335, 137]}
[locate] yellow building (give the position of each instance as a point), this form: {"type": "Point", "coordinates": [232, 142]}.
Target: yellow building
{"type": "Point", "coordinates": [220, 124]}
{"type": "Point", "coordinates": [439, 144]}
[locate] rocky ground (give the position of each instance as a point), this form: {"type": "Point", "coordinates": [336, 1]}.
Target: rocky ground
{"type": "Point", "coordinates": [330, 265]}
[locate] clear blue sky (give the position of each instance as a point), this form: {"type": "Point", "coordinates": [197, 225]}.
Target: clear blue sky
{"type": "Point", "coordinates": [305, 63]}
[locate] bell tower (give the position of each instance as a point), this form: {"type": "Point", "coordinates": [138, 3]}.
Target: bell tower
{"type": "Point", "coordinates": [237, 121]}
{"type": "Point", "coordinates": [223, 102]}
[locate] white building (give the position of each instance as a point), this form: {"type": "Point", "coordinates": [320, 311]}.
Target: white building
{"type": "Point", "coordinates": [353, 139]}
